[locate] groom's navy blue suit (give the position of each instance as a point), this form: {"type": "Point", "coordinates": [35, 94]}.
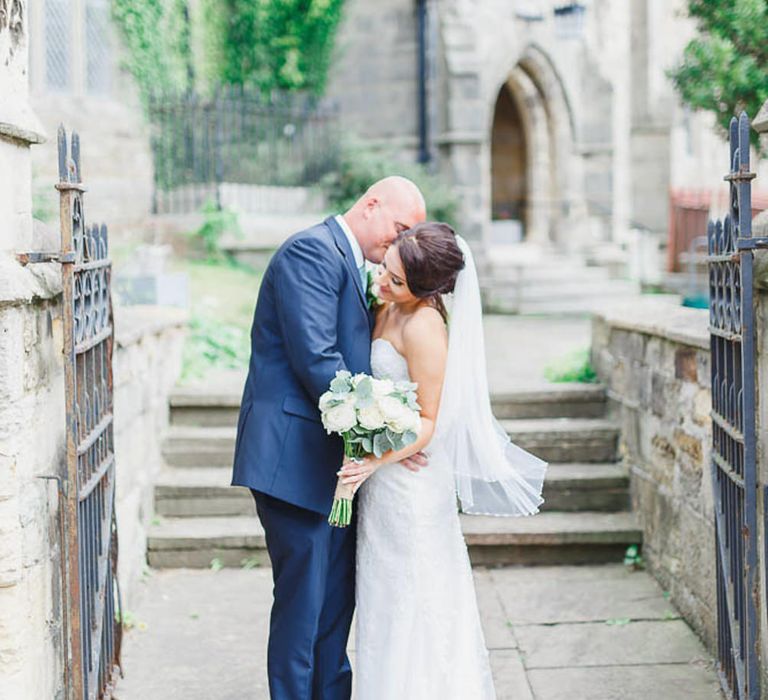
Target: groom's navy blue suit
{"type": "Point", "coordinates": [311, 320]}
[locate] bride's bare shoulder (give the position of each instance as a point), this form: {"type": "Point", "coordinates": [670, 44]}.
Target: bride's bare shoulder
{"type": "Point", "coordinates": [425, 329]}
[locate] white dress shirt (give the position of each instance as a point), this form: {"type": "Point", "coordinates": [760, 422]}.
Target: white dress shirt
{"type": "Point", "coordinates": [357, 251]}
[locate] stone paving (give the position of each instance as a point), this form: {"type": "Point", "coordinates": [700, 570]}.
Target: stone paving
{"type": "Point", "coordinates": [554, 633]}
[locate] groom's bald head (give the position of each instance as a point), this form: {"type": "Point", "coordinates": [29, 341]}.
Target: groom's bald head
{"type": "Point", "coordinates": [389, 206]}
{"type": "Point", "coordinates": [402, 193]}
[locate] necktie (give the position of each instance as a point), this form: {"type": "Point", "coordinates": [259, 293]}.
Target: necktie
{"type": "Point", "coordinates": [363, 272]}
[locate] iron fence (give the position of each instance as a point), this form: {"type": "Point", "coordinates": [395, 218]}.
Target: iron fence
{"type": "Point", "coordinates": [734, 462]}
{"type": "Point", "coordinates": [237, 136]}
{"type": "Point", "coordinates": [91, 604]}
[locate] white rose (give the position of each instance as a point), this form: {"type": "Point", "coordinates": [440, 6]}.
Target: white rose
{"type": "Point", "coordinates": [402, 419]}
{"type": "Point", "coordinates": [382, 387]}
{"type": "Point", "coordinates": [415, 422]}
{"type": "Point", "coordinates": [325, 400]}
{"type": "Point", "coordinates": [340, 419]}
{"type": "Point", "coordinates": [370, 417]}
{"type": "Point", "coordinates": [410, 420]}
{"type": "Point", "coordinates": [390, 407]}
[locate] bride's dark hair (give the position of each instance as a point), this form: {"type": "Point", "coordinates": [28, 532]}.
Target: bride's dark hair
{"type": "Point", "coordinates": [431, 260]}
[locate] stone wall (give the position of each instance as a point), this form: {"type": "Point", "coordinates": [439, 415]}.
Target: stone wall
{"type": "Point", "coordinates": [654, 360]}
{"type": "Point", "coordinates": [30, 398]}
{"type": "Point", "coordinates": [146, 366]}
{"type": "Point", "coordinates": [31, 447]}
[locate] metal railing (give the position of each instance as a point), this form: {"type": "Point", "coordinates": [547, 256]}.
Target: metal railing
{"type": "Point", "coordinates": [91, 604]}
{"type": "Point", "coordinates": [734, 460]}
{"type": "Point", "coordinates": [237, 136]}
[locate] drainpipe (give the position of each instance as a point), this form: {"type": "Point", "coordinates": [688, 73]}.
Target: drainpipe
{"type": "Point", "coordinates": [421, 23]}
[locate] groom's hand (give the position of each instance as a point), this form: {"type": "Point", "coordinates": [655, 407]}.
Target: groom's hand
{"type": "Point", "coordinates": [415, 462]}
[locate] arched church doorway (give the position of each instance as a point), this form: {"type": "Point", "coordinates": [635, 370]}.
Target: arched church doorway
{"type": "Point", "coordinates": [530, 142]}
{"type": "Point", "coordinates": [509, 171]}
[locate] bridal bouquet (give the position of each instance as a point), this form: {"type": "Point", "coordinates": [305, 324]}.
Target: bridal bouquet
{"type": "Point", "coordinates": [373, 416]}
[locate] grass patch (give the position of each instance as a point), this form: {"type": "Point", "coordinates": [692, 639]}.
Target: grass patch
{"type": "Point", "coordinates": [573, 367]}
{"type": "Point", "coordinates": [222, 299]}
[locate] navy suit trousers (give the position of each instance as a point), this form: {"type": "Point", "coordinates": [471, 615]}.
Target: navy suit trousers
{"type": "Point", "coordinates": [313, 567]}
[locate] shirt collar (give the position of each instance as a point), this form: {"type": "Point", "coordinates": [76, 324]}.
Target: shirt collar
{"type": "Point", "coordinates": [357, 251]}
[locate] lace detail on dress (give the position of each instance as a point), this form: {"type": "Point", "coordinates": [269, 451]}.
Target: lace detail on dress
{"type": "Point", "coordinates": [388, 363]}
{"type": "Point", "coordinates": [418, 631]}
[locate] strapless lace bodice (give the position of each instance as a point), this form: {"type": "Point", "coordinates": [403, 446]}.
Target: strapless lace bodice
{"type": "Point", "coordinates": [388, 363]}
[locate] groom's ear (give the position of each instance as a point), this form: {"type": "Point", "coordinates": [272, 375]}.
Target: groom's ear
{"type": "Point", "coordinates": [370, 204]}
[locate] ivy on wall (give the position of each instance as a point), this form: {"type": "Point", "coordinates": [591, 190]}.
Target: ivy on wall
{"type": "Point", "coordinates": [264, 44]}
{"type": "Point", "coordinates": [271, 44]}
{"type": "Point", "coordinates": [156, 34]}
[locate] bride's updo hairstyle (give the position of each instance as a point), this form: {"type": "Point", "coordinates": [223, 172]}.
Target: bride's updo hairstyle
{"type": "Point", "coordinates": [431, 260]}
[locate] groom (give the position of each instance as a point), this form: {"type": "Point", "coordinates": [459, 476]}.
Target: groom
{"type": "Point", "coordinates": [311, 320]}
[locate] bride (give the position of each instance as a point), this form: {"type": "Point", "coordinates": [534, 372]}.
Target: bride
{"type": "Point", "coordinates": [418, 631]}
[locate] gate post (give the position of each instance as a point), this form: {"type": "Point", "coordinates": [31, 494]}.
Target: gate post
{"type": "Point", "coordinates": [760, 230]}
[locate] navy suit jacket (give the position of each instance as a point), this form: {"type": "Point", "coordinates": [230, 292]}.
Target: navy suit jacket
{"type": "Point", "coordinates": [311, 320]}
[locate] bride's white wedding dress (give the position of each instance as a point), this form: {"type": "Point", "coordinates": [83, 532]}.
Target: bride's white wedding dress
{"type": "Point", "coordinates": [418, 633]}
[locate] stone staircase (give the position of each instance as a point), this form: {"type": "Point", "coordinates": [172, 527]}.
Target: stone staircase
{"type": "Point", "coordinates": [524, 279]}
{"type": "Point", "coordinates": [200, 518]}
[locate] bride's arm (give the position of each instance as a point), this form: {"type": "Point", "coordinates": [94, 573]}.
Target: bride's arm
{"type": "Point", "coordinates": [425, 346]}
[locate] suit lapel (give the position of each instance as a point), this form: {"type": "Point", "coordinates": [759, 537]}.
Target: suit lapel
{"type": "Point", "coordinates": [346, 252]}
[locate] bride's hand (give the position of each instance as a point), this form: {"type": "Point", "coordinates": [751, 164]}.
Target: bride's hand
{"type": "Point", "coordinates": [355, 473]}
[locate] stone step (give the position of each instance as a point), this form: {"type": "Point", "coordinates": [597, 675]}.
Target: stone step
{"type": "Point", "coordinates": [206, 491]}
{"type": "Point", "coordinates": [211, 406]}
{"type": "Point", "coordinates": [547, 538]}
{"type": "Point", "coordinates": [193, 446]}
{"type": "Point", "coordinates": [566, 439]}
{"type": "Point", "coordinates": [574, 304]}
{"type": "Point", "coordinates": [544, 275]}
{"type": "Point", "coordinates": [566, 400]}
{"type": "Point", "coordinates": [551, 439]}
{"type": "Point", "coordinates": [533, 291]}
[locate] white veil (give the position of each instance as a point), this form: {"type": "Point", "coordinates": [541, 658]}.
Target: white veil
{"type": "Point", "coordinates": [493, 475]}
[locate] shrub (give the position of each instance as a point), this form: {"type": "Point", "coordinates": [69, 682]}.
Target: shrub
{"type": "Point", "coordinates": [573, 367]}
{"type": "Point", "coordinates": [358, 167]}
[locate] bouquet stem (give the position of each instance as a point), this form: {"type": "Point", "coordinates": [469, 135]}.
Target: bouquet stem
{"type": "Point", "coordinates": [341, 512]}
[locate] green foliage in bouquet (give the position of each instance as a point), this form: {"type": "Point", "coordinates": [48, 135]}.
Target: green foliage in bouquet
{"type": "Point", "coordinates": [723, 68]}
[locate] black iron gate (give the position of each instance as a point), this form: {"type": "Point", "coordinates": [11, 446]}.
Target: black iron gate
{"type": "Point", "coordinates": [734, 463]}
{"type": "Point", "coordinates": [91, 610]}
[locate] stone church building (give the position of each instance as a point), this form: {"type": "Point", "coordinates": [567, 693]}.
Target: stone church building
{"type": "Point", "coordinates": [555, 120]}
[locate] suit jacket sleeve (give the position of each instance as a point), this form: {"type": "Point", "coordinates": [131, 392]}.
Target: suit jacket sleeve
{"type": "Point", "coordinates": [308, 285]}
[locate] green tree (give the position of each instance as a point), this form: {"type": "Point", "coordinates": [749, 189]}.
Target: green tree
{"type": "Point", "coordinates": [271, 44]}
{"type": "Point", "coordinates": [724, 69]}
